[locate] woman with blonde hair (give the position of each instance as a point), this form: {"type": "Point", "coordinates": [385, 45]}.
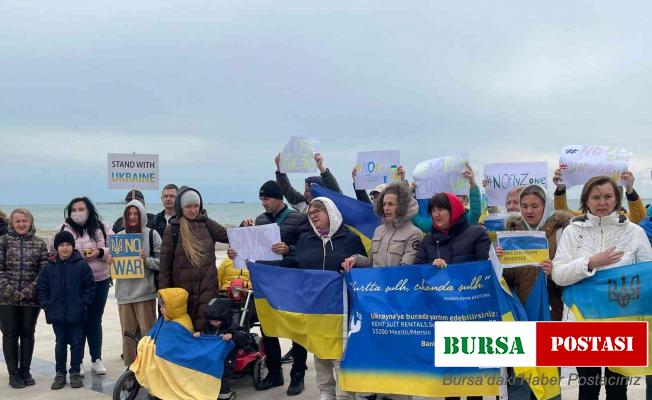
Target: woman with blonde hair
{"type": "Point", "coordinates": [188, 254]}
{"type": "Point", "coordinates": [22, 257]}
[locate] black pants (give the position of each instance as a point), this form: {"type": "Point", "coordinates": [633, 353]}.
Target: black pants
{"type": "Point", "coordinates": [68, 335]}
{"type": "Point", "coordinates": [18, 324]}
{"type": "Point", "coordinates": [93, 326]}
{"type": "Point", "coordinates": [229, 365]}
{"type": "Point", "coordinates": [273, 350]}
{"type": "Point", "coordinates": [589, 383]}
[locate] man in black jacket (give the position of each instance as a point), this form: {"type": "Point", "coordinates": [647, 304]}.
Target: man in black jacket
{"type": "Point", "coordinates": [291, 224]}
{"type": "Point", "coordinates": [161, 220]}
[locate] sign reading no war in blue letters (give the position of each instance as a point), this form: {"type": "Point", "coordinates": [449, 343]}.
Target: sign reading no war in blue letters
{"type": "Point", "coordinates": [390, 348]}
{"type": "Point", "coordinates": [125, 249]}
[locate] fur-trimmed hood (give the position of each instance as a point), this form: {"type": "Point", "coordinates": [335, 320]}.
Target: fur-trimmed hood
{"type": "Point", "coordinates": [407, 206]}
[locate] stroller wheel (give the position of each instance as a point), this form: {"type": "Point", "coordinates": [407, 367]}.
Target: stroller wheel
{"type": "Point", "coordinates": [126, 387]}
{"type": "Point", "coordinates": [259, 372]}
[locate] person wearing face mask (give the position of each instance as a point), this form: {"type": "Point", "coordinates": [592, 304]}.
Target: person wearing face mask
{"type": "Point", "coordinates": [325, 247]}
{"type": "Point", "coordinates": [90, 233]}
{"type": "Point", "coordinates": [397, 240]}
{"type": "Point", "coordinates": [137, 297]}
{"type": "Point", "coordinates": [188, 254]}
{"type": "Point", "coordinates": [22, 257]}
{"type": "Point", "coordinates": [598, 239]}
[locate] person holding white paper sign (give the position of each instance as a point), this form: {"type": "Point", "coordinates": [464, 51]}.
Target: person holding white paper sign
{"type": "Point", "coordinates": [291, 224]}
{"type": "Point", "coordinates": [636, 207]}
{"type": "Point", "coordinates": [601, 238]}
{"type": "Point", "coordinates": [472, 204]}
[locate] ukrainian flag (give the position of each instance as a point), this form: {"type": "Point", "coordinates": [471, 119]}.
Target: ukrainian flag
{"type": "Point", "coordinates": [172, 364]}
{"type": "Point", "coordinates": [305, 305]}
{"type": "Point", "coordinates": [358, 216]}
{"type": "Point", "coordinates": [615, 294]}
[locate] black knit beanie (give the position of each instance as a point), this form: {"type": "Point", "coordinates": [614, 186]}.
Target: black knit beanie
{"type": "Point", "coordinates": [271, 189]}
{"type": "Point", "coordinates": [64, 237]}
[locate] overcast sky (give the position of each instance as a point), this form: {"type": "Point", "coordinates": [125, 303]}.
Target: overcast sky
{"type": "Point", "coordinates": [216, 88]}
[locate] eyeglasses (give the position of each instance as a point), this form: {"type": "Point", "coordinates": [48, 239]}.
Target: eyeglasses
{"type": "Point", "coordinates": [314, 212]}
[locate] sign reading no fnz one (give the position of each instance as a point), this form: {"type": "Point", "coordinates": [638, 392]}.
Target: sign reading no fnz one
{"type": "Point", "coordinates": [133, 171]}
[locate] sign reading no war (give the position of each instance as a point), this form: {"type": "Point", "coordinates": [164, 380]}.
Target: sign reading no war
{"type": "Point", "coordinates": [133, 171]}
{"type": "Point", "coordinates": [125, 251]}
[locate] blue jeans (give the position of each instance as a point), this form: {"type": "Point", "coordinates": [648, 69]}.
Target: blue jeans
{"type": "Point", "coordinates": [93, 326]}
{"type": "Point", "coordinates": [68, 335]}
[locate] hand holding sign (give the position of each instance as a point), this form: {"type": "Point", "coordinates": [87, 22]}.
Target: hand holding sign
{"type": "Point", "coordinates": [442, 174]}
{"type": "Point", "coordinates": [298, 155]}
{"type": "Point", "coordinates": [580, 163]}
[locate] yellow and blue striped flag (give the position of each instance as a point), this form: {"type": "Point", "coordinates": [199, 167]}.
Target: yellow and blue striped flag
{"type": "Point", "coordinates": [615, 294]}
{"type": "Point", "coordinates": [172, 364]}
{"type": "Point", "coordinates": [305, 305]}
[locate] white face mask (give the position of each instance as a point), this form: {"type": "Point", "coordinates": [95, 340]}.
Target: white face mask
{"type": "Point", "coordinates": [80, 218]}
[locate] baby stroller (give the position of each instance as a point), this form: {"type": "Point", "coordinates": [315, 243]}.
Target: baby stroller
{"type": "Point", "coordinates": [250, 359]}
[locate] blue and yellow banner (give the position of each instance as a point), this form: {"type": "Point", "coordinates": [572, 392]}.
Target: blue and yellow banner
{"type": "Point", "coordinates": [358, 216]}
{"type": "Point", "coordinates": [522, 248]}
{"type": "Point", "coordinates": [307, 306]}
{"type": "Point", "coordinates": [615, 294]}
{"type": "Point", "coordinates": [391, 331]}
{"type": "Point", "coordinates": [172, 364]}
{"type": "Point", "coordinates": [125, 251]}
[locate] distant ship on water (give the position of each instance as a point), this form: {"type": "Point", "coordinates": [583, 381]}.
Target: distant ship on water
{"type": "Point", "coordinates": [237, 202]}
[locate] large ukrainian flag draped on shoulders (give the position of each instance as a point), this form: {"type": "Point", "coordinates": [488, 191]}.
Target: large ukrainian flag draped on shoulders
{"type": "Point", "coordinates": [358, 216]}
{"type": "Point", "coordinates": [172, 364]}
{"type": "Point", "coordinates": [615, 294]}
{"type": "Point", "coordinates": [305, 305]}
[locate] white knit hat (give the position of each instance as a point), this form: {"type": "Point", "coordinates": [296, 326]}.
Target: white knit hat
{"type": "Point", "coordinates": [189, 197]}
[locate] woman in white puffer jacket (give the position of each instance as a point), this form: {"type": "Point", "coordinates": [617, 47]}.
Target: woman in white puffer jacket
{"type": "Point", "coordinates": [601, 238]}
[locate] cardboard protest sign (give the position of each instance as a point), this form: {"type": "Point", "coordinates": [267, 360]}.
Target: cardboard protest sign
{"type": "Point", "coordinates": [376, 167]}
{"type": "Point", "coordinates": [298, 155]}
{"type": "Point", "coordinates": [502, 178]}
{"type": "Point", "coordinates": [133, 171]}
{"type": "Point", "coordinates": [442, 174]}
{"type": "Point", "coordinates": [254, 243]}
{"type": "Point", "coordinates": [522, 248]}
{"type": "Point", "coordinates": [126, 262]}
{"type": "Point", "coordinates": [580, 163]}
